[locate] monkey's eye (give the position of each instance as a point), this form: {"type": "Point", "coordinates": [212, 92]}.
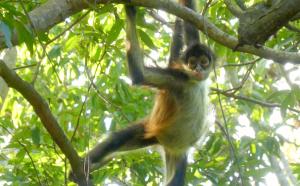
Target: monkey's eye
{"type": "Point", "coordinates": [192, 62]}
{"type": "Point", "coordinates": [204, 61]}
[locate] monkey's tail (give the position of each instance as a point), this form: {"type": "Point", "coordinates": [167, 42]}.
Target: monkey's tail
{"type": "Point", "coordinates": [175, 168]}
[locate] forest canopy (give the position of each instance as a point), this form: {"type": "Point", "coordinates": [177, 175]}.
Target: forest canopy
{"type": "Point", "coordinates": [64, 87]}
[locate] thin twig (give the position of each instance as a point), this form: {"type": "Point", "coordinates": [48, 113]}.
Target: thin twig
{"type": "Point", "coordinates": [79, 115]}
{"type": "Point", "coordinates": [104, 98]}
{"type": "Point", "coordinates": [259, 102]}
{"type": "Point", "coordinates": [89, 88]}
{"type": "Point", "coordinates": [152, 59]}
{"type": "Point", "coordinates": [26, 66]}
{"type": "Point", "coordinates": [28, 153]}
{"type": "Point", "coordinates": [245, 78]}
{"type": "Point", "coordinates": [206, 7]}
{"type": "Point", "coordinates": [69, 27]}
{"type": "Point", "coordinates": [233, 8]}
{"type": "Point", "coordinates": [231, 146]}
{"type": "Point", "coordinates": [41, 43]}
{"type": "Point", "coordinates": [158, 18]}
{"type": "Point", "coordinates": [239, 65]}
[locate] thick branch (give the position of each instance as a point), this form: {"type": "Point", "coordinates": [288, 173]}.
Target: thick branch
{"type": "Point", "coordinates": [42, 109]}
{"type": "Point", "coordinates": [55, 11]}
{"type": "Point", "coordinates": [260, 22]}
{"type": "Point", "coordinates": [233, 8]}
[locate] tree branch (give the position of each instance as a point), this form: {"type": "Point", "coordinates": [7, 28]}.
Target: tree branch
{"type": "Point", "coordinates": [255, 101]}
{"type": "Point", "coordinates": [233, 8]}
{"type": "Point", "coordinates": [55, 11]}
{"type": "Point", "coordinates": [241, 4]}
{"type": "Point", "coordinates": [296, 17]}
{"type": "Point", "coordinates": [261, 21]}
{"type": "Point", "coordinates": [42, 109]}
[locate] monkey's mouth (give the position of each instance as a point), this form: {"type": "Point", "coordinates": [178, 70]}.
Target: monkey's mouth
{"type": "Point", "coordinates": [198, 72]}
{"type": "Point", "coordinates": [198, 68]}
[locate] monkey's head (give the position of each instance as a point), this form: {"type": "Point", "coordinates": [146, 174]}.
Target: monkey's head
{"type": "Point", "coordinates": [199, 60]}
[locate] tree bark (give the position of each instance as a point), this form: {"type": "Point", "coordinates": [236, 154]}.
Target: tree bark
{"type": "Point", "coordinates": [259, 23]}
{"type": "Point", "coordinates": [55, 11]}
{"type": "Point", "coordinates": [9, 59]}
{"type": "Point", "coordinates": [43, 111]}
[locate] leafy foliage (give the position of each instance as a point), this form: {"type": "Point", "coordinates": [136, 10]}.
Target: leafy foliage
{"type": "Point", "coordinates": [82, 75]}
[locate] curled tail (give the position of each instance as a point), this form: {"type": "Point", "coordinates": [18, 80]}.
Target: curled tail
{"type": "Point", "coordinates": [175, 168]}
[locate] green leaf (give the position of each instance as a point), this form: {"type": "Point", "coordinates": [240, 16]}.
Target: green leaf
{"type": "Point", "coordinates": [24, 35]}
{"type": "Point", "coordinates": [278, 95]}
{"type": "Point", "coordinates": [253, 148]}
{"type": "Point", "coordinates": [271, 145]}
{"type": "Point", "coordinates": [55, 51]}
{"type": "Point", "coordinates": [7, 34]}
{"type": "Point", "coordinates": [106, 9]}
{"type": "Point", "coordinates": [115, 31]}
{"type": "Point", "coordinates": [258, 172]}
{"type": "Point", "coordinates": [289, 101]}
{"type": "Point", "coordinates": [71, 43]}
{"type": "Point", "coordinates": [36, 135]}
{"type": "Point", "coordinates": [12, 11]}
{"type": "Point", "coordinates": [146, 39]}
{"type": "Point", "coordinates": [20, 155]}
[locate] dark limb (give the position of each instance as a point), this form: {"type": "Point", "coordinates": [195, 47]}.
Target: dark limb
{"type": "Point", "coordinates": [160, 78]}
{"type": "Point", "coordinates": [127, 139]}
{"type": "Point", "coordinates": [176, 168]}
{"type": "Point", "coordinates": [134, 53]}
{"type": "Point", "coordinates": [166, 78]}
{"type": "Point", "coordinates": [177, 41]}
{"type": "Point", "coordinates": [191, 33]}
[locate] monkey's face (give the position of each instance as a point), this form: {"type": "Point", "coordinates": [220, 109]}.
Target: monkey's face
{"type": "Point", "coordinates": [200, 66]}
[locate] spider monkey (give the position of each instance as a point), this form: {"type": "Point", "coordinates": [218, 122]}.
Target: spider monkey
{"type": "Point", "coordinates": [178, 118]}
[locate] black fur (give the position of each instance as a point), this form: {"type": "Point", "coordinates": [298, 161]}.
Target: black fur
{"type": "Point", "coordinates": [134, 52]}
{"type": "Point", "coordinates": [131, 138]}
{"type": "Point", "coordinates": [130, 11]}
{"type": "Point", "coordinates": [191, 33]}
{"type": "Point", "coordinates": [179, 175]}
{"type": "Point", "coordinates": [135, 72]}
{"type": "Point", "coordinates": [197, 50]}
{"type": "Point", "coordinates": [179, 75]}
{"type": "Point", "coordinates": [177, 41]}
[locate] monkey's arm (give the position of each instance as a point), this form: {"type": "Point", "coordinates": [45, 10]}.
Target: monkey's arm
{"type": "Point", "coordinates": [140, 75]}
{"type": "Point", "coordinates": [191, 33]}
{"type": "Point", "coordinates": [177, 42]}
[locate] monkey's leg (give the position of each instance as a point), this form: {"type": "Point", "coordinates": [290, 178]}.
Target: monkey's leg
{"type": "Point", "coordinates": [176, 168]}
{"type": "Point", "coordinates": [127, 139]}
